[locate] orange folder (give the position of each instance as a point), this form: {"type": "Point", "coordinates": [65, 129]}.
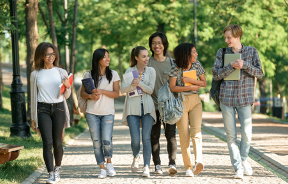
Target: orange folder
{"type": "Point", "coordinates": [190, 74]}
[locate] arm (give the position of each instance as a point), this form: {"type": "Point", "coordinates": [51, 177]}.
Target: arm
{"type": "Point", "coordinates": [177, 89]}
{"type": "Point", "coordinates": [33, 102]}
{"type": "Point", "coordinates": [111, 94]}
{"type": "Point", "coordinates": [220, 73]}
{"type": "Point", "coordinates": [150, 87]}
{"type": "Point", "coordinates": [87, 96]}
{"type": "Point", "coordinates": [254, 69]}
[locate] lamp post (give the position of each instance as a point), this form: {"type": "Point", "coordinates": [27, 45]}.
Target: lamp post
{"type": "Point", "coordinates": [195, 22]}
{"type": "Point", "coordinates": [19, 125]}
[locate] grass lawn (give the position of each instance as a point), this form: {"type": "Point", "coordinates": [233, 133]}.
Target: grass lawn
{"type": "Point", "coordinates": [30, 158]}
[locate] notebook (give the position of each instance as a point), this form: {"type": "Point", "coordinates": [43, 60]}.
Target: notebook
{"type": "Point", "coordinates": [228, 58]}
{"type": "Point", "coordinates": [62, 87]}
{"type": "Point", "coordinates": [128, 78]}
{"type": "Point", "coordinates": [190, 74]}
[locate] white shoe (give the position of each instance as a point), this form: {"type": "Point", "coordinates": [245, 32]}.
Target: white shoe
{"type": "Point", "coordinates": [189, 173]}
{"type": "Point", "coordinates": [158, 169]}
{"type": "Point", "coordinates": [146, 172]}
{"type": "Point", "coordinates": [172, 169]}
{"type": "Point", "coordinates": [102, 174]}
{"type": "Point", "coordinates": [57, 173]}
{"type": "Point", "coordinates": [247, 168]}
{"type": "Point", "coordinates": [239, 174]}
{"type": "Point", "coordinates": [198, 168]}
{"type": "Point", "coordinates": [51, 179]}
{"type": "Point", "coordinates": [110, 169]}
{"type": "Point", "coordinates": [135, 164]}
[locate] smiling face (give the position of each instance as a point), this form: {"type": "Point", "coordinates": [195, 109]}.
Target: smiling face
{"type": "Point", "coordinates": [105, 61]}
{"type": "Point", "coordinates": [194, 55]}
{"type": "Point", "coordinates": [230, 40]}
{"type": "Point", "coordinates": [143, 58]}
{"type": "Point", "coordinates": [157, 46]}
{"type": "Point", "coordinates": [49, 57]}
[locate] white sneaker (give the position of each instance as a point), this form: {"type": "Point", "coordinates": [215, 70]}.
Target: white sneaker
{"type": "Point", "coordinates": [247, 168]}
{"type": "Point", "coordinates": [239, 174]}
{"type": "Point", "coordinates": [189, 173]}
{"type": "Point", "coordinates": [158, 169]}
{"type": "Point", "coordinates": [102, 174]}
{"type": "Point", "coordinates": [57, 173]}
{"type": "Point", "coordinates": [110, 169]}
{"type": "Point", "coordinates": [135, 164]}
{"type": "Point", "coordinates": [51, 179]}
{"type": "Point", "coordinates": [146, 172]}
{"type": "Point", "coordinates": [198, 168]}
{"type": "Point", "coordinates": [172, 169]}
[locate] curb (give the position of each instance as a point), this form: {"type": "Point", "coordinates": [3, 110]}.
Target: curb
{"type": "Point", "coordinates": [33, 177]}
{"type": "Point", "coordinates": [261, 154]}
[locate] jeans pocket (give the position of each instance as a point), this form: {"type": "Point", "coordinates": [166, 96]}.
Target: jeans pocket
{"type": "Point", "coordinates": [41, 109]}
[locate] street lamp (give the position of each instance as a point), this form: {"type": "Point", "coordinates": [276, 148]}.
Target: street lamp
{"type": "Point", "coordinates": [195, 22]}
{"type": "Point", "coordinates": [19, 125]}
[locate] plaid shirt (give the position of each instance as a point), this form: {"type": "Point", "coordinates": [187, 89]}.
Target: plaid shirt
{"type": "Point", "coordinates": [233, 92]}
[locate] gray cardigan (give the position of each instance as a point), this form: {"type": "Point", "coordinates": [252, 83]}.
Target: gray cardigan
{"type": "Point", "coordinates": [132, 105]}
{"type": "Point", "coordinates": [34, 91]}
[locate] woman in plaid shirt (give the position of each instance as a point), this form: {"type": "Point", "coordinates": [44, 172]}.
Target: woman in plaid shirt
{"type": "Point", "coordinates": [186, 60]}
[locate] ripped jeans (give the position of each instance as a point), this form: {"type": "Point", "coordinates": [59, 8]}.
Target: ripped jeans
{"type": "Point", "coordinates": [101, 129]}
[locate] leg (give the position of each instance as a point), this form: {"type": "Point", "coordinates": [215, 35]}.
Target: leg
{"type": "Point", "coordinates": [228, 114]}
{"type": "Point", "coordinates": [147, 123]}
{"type": "Point", "coordinates": [95, 132]}
{"type": "Point", "coordinates": [245, 119]}
{"type": "Point", "coordinates": [170, 134]}
{"type": "Point", "coordinates": [155, 136]}
{"type": "Point", "coordinates": [134, 127]}
{"type": "Point", "coordinates": [107, 123]}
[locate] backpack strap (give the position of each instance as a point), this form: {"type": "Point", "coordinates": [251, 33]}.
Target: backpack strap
{"type": "Point", "coordinates": [171, 61]}
{"type": "Point", "coordinates": [223, 54]}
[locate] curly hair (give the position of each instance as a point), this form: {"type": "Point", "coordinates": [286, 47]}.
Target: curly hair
{"type": "Point", "coordinates": [182, 54]}
{"type": "Point", "coordinates": [164, 42]}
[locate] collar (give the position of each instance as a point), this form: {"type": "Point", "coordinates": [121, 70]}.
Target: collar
{"type": "Point", "coordinates": [230, 49]}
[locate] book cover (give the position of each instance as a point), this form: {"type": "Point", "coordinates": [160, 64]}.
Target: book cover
{"type": "Point", "coordinates": [88, 84]}
{"type": "Point", "coordinates": [191, 74]}
{"type": "Point", "coordinates": [62, 87]}
{"type": "Point", "coordinates": [228, 58]}
{"type": "Point", "coordinates": [128, 78]}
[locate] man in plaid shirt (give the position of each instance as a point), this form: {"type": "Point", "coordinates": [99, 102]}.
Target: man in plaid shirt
{"type": "Point", "coordinates": [237, 95]}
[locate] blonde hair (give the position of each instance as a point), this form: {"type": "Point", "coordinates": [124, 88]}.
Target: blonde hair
{"type": "Point", "coordinates": [235, 29]}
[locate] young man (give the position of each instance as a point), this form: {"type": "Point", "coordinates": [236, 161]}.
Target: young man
{"type": "Point", "coordinates": [237, 95]}
{"type": "Point", "coordinates": [158, 44]}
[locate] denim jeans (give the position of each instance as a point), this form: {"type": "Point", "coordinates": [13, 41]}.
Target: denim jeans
{"type": "Point", "coordinates": [51, 119]}
{"type": "Point", "coordinates": [170, 134]}
{"type": "Point", "coordinates": [101, 130]}
{"type": "Point", "coordinates": [134, 127]}
{"type": "Point", "coordinates": [245, 119]}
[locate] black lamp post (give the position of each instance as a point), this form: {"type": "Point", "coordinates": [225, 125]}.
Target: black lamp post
{"type": "Point", "coordinates": [195, 22]}
{"type": "Point", "coordinates": [19, 125]}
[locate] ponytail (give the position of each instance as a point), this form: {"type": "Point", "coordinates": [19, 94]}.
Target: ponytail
{"type": "Point", "coordinates": [135, 52]}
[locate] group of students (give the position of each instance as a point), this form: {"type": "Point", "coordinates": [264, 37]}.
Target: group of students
{"type": "Point", "coordinates": [50, 114]}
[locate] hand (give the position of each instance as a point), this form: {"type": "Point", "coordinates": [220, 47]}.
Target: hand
{"type": "Point", "coordinates": [237, 64]}
{"type": "Point", "coordinates": [94, 91]}
{"type": "Point", "coordinates": [33, 126]}
{"type": "Point", "coordinates": [66, 82]}
{"type": "Point", "coordinates": [194, 87]}
{"type": "Point", "coordinates": [94, 96]}
{"type": "Point", "coordinates": [100, 91]}
{"type": "Point", "coordinates": [135, 82]}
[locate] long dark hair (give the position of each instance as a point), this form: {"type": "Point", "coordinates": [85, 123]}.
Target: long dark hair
{"type": "Point", "coordinates": [182, 54]}
{"type": "Point", "coordinates": [164, 42]}
{"type": "Point", "coordinates": [40, 55]}
{"type": "Point", "coordinates": [135, 52]}
{"type": "Point", "coordinates": [95, 72]}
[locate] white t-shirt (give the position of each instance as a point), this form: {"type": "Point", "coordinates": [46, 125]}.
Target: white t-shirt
{"type": "Point", "coordinates": [48, 82]}
{"type": "Point", "coordinates": [104, 105]}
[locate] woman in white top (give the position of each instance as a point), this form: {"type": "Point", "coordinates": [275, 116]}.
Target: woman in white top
{"type": "Point", "coordinates": [100, 108]}
{"type": "Point", "coordinates": [140, 110]}
{"type": "Point", "coordinates": [49, 113]}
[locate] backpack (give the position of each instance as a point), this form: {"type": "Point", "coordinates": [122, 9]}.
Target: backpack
{"type": "Point", "coordinates": [82, 103]}
{"type": "Point", "coordinates": [215, 86]}
{"type": "Point", "coordinates": [170, 108]}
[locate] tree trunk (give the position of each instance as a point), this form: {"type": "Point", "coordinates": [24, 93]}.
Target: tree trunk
{"type": "Point", "coordinates": [160, 28]}
{"type": "Point", "coordinates": [66, 37]}
{"type": "Point", "coordinates": [119, 57]}
{"type": "Point", "coordinates": [31, 9]}
{"type": "Point", "coordinates": [1, 79]}
{"type": "Point", "coordinates": [51, 23]}
{"type": "Point", "coordinates": [263, 94]}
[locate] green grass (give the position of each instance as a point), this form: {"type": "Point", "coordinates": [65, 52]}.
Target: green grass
{"type": "Point", "coordinates": [30, 158]}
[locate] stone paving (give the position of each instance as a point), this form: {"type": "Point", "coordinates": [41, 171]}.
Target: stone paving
{"type": "Point", "coordinates": [79, 165]}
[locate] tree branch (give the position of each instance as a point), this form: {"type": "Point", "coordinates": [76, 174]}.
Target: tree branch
{"type": "Point", "coordinates": [286, 2]}
{"type": "Point", "coordinates": [60, 17]}
{"type": "Point", "coordinates": [43, 15]}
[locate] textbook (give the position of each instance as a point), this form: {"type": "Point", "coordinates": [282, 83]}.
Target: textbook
{"type": "Point", "coordinates": [62, 86]}
{"type": "Point", "coordinates": [191, 74]}
{"type": "Point", "coordinates": [128, 78]}
{"type": "Point", "coordinates": [88, 84]}
{"type": "Point", "coordinates": [228, 58]}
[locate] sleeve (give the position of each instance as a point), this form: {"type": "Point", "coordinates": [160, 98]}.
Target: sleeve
{"type": "Point", "coordinates": [253, 68]}
{"type": "Point", "coordinates": [150, 86]}
{"type": "Point", "coordinates": [67, 92]}
{"type": "Point", "coordinates": [217, 70]}
{"type": "Point", "coordinates": [126, 87]}
{"type": "Point", "coordinates": [200, 70]}
{"type": "Point", "coordinates": [174, 71]}
{"type": "Point", "coordinates": [115, 76]}
{"type": "Point", "coordinates": [33, 91]}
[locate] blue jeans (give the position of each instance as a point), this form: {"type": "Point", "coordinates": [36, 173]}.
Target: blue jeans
{"type": "Point", "coordinates": [134, 127]}
{"type": "Point", "coordinates": [245, 119]}
{"type": "Point", "coordinates": [101, 129]}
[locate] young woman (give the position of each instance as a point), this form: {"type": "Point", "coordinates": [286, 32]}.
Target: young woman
{"type": "Point", "coordinates": [186, 60]}
{"type": "Point", "coordinates": [139, 110]}
{"type": "Point", "coordinates": [100, 109]}
{"type": "Point", "coordinates": [49, 114]}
